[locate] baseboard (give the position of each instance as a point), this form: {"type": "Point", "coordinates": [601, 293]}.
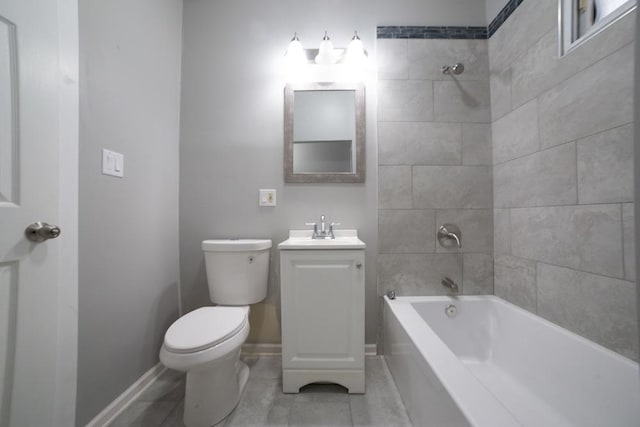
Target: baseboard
{"type": "Point", "coordinates": [276, 349]}
{"type": "Point", "coordinates": [251, 349]}
{"type": "Point", "coordinates": [116, 407]}
{"type": "Point", "coordinates": [370, 349]}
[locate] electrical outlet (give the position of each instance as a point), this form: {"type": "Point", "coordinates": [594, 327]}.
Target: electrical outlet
{"type": "Point", "coordinates": [267, 197]}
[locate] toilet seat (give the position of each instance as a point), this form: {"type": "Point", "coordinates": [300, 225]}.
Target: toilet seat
{"type": "Point", "coordinates": [204, 328]}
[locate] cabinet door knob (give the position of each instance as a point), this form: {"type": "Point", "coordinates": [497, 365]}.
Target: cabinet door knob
{"type": "Point", "coordinates": [359, 265]}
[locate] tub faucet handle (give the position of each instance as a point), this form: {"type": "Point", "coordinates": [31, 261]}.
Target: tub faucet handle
{"type": "Point", "coordinates": [447, 233]}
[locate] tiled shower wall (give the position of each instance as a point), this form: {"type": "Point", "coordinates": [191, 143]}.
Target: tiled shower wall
{"type": "Point", "coordinates": [434, 160]}
{"type": "Point", "coordinates": [563, 184]}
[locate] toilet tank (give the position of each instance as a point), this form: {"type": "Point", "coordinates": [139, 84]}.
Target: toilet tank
{"type": "Point", "coordinates": [237, 270]}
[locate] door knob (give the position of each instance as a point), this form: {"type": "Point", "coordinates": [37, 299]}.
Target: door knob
{"type": "Point", "coordinates": [40, 231]}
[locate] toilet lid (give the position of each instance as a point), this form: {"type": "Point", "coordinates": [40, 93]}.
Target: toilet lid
{"type": "Point", "coordinates": [204, 328]}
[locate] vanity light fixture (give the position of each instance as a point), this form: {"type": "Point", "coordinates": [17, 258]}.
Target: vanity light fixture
{"type": "Point", "coordinates": [326, 54]}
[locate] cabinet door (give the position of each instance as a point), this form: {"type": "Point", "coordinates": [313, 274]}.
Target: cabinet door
{"type": "Point", "coordinates": [322, 309]}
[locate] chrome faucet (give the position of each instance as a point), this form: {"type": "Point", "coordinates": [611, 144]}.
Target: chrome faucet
{"type": "Point", "coordinates": [450, 284]}
{"type": "Point", "coordinates": [323, 233]}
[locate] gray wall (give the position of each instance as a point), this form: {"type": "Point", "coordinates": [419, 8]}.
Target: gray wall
{"type": "Point", "coordinates": [563, 175]}
{"type": "Point", "coordinates": [128, 274]}
{"type": "Point", "coordinates": [232, 130]}
{"type": "Point", "coordinates": [493, 7]}
{"type": "Point", "coordinates": [434, 158]}
{"type": "Point", "coordinates": [636, 156]}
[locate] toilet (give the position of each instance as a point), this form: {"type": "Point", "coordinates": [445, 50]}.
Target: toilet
{"type": "Point", "coordinates": [206, 342]}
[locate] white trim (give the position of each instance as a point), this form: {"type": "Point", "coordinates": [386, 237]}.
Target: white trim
{"type": "Point", "coordinates": [121, 402]}
{"type": "Point", "coordinates": [370, 349]}
{"type": "Point", "coordinates": [251, 349]}
{"type": "Point", "coordinates": [67, 281]}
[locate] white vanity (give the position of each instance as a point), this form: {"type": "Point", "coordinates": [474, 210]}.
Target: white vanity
{"type": "Point", "coordinates": [322, 300]}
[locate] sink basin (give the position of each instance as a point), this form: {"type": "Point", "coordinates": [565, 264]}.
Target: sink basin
{"type": "Point", "coordinates": [301, 239]}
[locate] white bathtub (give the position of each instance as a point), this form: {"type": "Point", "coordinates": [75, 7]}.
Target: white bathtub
{"type": "Point", "coordinates": [494, 364]}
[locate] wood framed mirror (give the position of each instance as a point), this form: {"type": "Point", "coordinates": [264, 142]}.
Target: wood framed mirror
{"type": "Point", "coordinates": [324, 133]}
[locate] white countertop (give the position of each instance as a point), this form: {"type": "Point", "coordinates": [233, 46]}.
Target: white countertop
{"type": "Point", "coordinates": [301, 239]}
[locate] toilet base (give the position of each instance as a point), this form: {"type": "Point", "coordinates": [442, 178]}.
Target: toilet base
{"type": "Point", "coordinates": [212, 392]}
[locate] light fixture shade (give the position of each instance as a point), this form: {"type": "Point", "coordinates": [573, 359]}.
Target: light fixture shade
{"type": "Point", "coordinates": [326, 54]}
{"type": "Point", "coordinates": [295, 52]}
{"type": "Point", "coordinates": [355, 51]}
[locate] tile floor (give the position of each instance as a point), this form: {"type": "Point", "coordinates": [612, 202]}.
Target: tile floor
{"type": "Point", "coordinates": [264, 404]}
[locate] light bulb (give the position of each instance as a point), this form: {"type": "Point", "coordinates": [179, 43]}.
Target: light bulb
{"type": "Point", "coordinates": [295, 52]}
{"type": "Point", "coordinates": [326, 54]}
{"type": "Point", "coordinates": [355, 51]}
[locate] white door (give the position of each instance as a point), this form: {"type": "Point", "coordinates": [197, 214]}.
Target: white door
{"type": "Point", "coordinates": [34, 117]}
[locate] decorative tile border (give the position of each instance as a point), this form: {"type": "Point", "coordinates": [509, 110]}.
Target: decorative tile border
{"type": "Point", "coordinates": [417, 32]}
{"type": "Point", "coordinates": [502, 16]}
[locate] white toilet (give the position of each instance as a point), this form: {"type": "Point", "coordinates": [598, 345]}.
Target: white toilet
{"type": "Point", "coordinates": [205, 343]}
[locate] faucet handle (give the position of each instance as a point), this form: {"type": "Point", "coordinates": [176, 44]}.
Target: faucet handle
{"type": "Point", "coordinates": [310, 223]}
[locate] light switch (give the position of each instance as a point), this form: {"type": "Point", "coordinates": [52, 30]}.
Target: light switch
{"type": "Point", "coordinates": [112, 163]}
{"type": "Point", "coordinates": [267, 197]}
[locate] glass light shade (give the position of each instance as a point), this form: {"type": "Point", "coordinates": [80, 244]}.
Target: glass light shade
{"type": "Point", "coordinates": [355, 51]}
{"type": "Point", "coordinates": [295, 52]}
{"type": "Point", "coordinates": [326, 54]}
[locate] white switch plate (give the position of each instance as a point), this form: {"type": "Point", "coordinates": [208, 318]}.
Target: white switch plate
{"type": "Point", "coordinates": [267, 197]}
{"type": "Point", "coordinates": [112, 163]}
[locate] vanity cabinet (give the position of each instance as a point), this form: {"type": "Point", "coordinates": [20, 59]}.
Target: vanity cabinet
{"type": "Point", "coordinates": [322, 299]}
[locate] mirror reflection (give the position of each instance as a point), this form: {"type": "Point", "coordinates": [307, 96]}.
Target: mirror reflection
{"type": "Point", "coordinates": [324, 133]}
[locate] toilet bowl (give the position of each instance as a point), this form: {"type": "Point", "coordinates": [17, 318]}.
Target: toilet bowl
{"type": "Point", "coordinates": [206, 342]}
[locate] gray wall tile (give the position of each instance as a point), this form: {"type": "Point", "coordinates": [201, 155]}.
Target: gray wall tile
{"type": "Point", "coordinates": [394, 187]}
{"type": "Point", "coordinates": [476, 227]}
{"type": "Point", "coordinates": [587, 238]}
{"type": "Point", "coordinates": [501, 231]}
{"type": "Point", "coordinates": [476, 144]}
{"type": "Point", "coordinates": [540, 68]}
{"type": "Point", "coordinates": [515, 281]}
{"type": "Point", "coordinates": [514, 182]}
{"type": "Point", "coordinates": [477, 274]}
{"type": "Point", "coordinates": [462, 101]}
{"type": "Point", "coordinates": [426, 58]}
{"type": "Point", "coordinates": [556, 178]}
{"type": "Point", "coordinates": [452, 186]}
{"type": "Point", "coordinates": [405, 101]}
{"type": "Point", "coordinates": [392, 60]}
{"type": "Point", "coordinates": [528, 23]}
{"type": "Point", "coordinates": [500, 84]}
{"type": "Point", "coordinates": [417, 274]}
{"type": "Point", "coordinates": [406, 231]}
{"type": "Point", "coordinates": [599, 308]}
{"type": "Point", "coordinates": [596, 99]}
{"type": "Point", "coordinates": [541, 179]}
{"type": "Point", "coordinates": [605, 167]}
{"type": "Point", "coordinates": [628, 236]}
{"type": "Point", "coordinates": [516, 134]}
{"type": "Point", "coordinates": [419, 143]}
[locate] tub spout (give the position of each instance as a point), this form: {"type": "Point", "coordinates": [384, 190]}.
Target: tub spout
{"type": "Point", "coordinates": [450, 284]}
